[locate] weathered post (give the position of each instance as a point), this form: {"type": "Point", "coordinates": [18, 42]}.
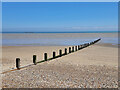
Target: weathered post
{"type": "Point", "coordinates": [45, 56]}
{"type": "Point", "coordinates": [34, 59]}
{"type": "Point", "coordinates": [88, 44]}
{"type": "Point", "coordinates": [18, 63]}
{"type": "Point", "coordinates": [65, 51]}
{"type": "Point", "coordinates": [82, 46]}
{"type": "Point", "coordinates": [78, 47]}
{"type": "Point", "coordinates": [92, 42]}
{"type": "Point", "coordinates": [75, 48]}
{"type": "Point", "coordinates": [60, 52]}
{"type": "Point", "coordinates": [53, 54]}
{"type": "Point", "coordinates": [69, 49]}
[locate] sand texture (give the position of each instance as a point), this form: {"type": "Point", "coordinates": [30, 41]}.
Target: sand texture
{"type": "Point", "coordinates": [93, 67]}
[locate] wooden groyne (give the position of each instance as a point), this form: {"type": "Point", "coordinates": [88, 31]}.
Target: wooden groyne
{"type": "Point", "coordinates": [61, 53]}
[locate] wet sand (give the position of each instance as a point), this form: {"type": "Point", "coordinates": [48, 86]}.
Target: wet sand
{"type": "Point", "coordinates": [55, 39]}
{"type": "Point", "coordinates": [56, 35]}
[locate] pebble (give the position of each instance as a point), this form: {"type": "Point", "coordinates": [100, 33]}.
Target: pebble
{"type": "Point", "coordinates": [62, 76]}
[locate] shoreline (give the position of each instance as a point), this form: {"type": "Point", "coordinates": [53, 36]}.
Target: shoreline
{"type": "Point", "coordinates": [53, 39]}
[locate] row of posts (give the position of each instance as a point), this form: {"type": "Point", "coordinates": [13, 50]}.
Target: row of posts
{"type": "Point", "coordinates": [71, 49]}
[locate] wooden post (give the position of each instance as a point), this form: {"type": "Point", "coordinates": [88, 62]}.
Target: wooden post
{"type": "Point", "coordinates": [65, 51]}
{"type": "Point", "coordinates": [34, 59]}
{"type": "Point", "coordinates": [18, 63]}
{"type": "Point", "coordinates": [82, 46]}
{"type": "Point", "coordinates": [53, 54]}
{"type": "Point", "coordinates": [60, 52]}
{"type": "Point", "coordinates": [75, 48]}
{"type": "Point", "coordinates": [78, 47]}
{"type": "Point", "coordinates": [45, 56]}
{"type": "Point", "coordinates": [88, 44]}
{"type": "Point", "coordinates": [69, 49]}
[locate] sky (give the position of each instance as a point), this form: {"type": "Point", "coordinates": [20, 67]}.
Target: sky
{"type": "Point", "coordinates": [59, 16]}
{"type": "Point", "coordinates": [60, 0]}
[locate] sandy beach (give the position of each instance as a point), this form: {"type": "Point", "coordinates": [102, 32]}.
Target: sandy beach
{"type": "Point", "coordinates": [93, 67]}
{"type": "Point", "coordinates": [35, 37]}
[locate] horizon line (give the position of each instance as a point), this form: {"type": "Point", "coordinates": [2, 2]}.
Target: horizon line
{"type": "Point", "coordinates": [68, 32]}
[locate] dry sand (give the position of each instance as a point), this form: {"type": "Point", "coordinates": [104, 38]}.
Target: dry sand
{"type": "Point", "coordinates": [93, 67]}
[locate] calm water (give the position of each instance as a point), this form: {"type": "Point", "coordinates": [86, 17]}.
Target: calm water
{"type": "Point", "coordinates": [52, 39]}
